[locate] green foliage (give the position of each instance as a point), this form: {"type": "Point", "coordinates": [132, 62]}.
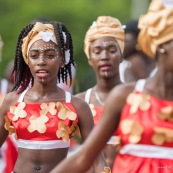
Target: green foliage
{"type": "Point", "coordinates": [78, 15]}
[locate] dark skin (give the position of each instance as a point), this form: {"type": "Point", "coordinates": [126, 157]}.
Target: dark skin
{"type": "Point", "coordinates": [159, 86]}
{"type": "Point", "coordinates": [140, 65]}
{"type": "Point", "coordinates": [44, 65]}
{"type": "Point", "coordinates": [105, 55]}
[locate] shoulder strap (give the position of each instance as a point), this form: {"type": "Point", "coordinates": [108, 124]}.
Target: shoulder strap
{"type": "Point", "coordinates": [67, 97]}
{"type": "Point", "coordinates": [4, 86]}
{"type": "Point", "coordinates": [140, 85]}
{"type": "Point", "coordinates": [21, 97]}
{"type": "Point", "coordinates": [87, 95]}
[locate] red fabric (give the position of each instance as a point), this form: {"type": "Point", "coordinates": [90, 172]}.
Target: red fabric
{"type": "Point", "coordinates": [9, 152]}
{"type": "Point", "coordinates": [99, 111]}
{"type": "Point", "coordinates": [148, 120]}
{"type": "Point", "coordinates": [22, 124]}
{"type": "Point", "coordinates": [134, 164]}
{"type": "Point", "coordinates": [11, 155]}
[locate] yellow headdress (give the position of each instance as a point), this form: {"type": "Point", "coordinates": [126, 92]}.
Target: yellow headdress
{"type": "Point", "coordinates": [104, 26]}
{"type": "Point", "coordinates": [38, 32]}
{"type": "Point", "coordinates": [156, 27]}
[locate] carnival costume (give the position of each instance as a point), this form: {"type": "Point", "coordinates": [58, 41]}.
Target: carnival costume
{"type": "Point", "coordinates": [8, 151]}
{"type": "Point", "coordinates": [97, 112]}
{"type": "Point", "coordinates": [146, 130]}
{"type": "Point", "coordinates": [42, 125]}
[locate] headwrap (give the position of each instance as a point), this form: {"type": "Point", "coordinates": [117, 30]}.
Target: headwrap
{"type": "Point", "coordinates": [156, 26]}
{"type": "Point", "coordinates": [38, 32]}
{"type": "Point", "coordinates": [104, 26]}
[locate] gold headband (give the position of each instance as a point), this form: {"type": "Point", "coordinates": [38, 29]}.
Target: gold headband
{"type": "Point", "coordinates": [156, 27]}
{"type": "Point", "coordinates": [38, 32]}
{"type": "Point", "coordinates": [104, 26]}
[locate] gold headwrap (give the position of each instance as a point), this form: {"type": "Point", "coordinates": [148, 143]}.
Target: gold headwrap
{"type": "Point", "coordinates": [38, 32]}
{"type": "Point", "coordinates": [156, 27]}
{"type": "Point", "coordinates": [104, 26]}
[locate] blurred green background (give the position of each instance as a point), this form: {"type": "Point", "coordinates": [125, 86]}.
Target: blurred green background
{"type": "Point", "coordinates": [77, 15]}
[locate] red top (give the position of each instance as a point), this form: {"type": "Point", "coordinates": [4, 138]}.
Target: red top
{"type": "Point", "coordinates": [146, 122]}
{"type": "Point", "coordinates": [46, 121]}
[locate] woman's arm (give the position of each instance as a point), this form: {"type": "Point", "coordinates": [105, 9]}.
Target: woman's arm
{"type": "Point", "coordinates": [83, 159]}
{"type": "Point", "coordinates": [86, 124]}
{"type": "Point", "coordinates": [7, 102]}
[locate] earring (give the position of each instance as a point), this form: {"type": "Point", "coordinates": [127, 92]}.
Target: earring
{"type": "Point", "coordinates": [62, 66]}
{"type": "Point", "coordinates": [162, 50]}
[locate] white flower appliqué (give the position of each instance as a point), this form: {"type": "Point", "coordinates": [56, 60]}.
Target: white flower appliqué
{"type": "Point", "coordinates": [47, 36]}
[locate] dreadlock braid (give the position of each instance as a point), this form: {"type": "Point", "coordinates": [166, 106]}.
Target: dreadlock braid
{"type": "Point", "coordinates": [66, 71]}
{"type": "Point", "coordinates": [21, 71]}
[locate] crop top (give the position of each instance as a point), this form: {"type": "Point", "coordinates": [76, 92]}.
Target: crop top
{"type": "Point", "coordinates": [42, 125]}
{"type": "Point", "coordinates": [97, 113]}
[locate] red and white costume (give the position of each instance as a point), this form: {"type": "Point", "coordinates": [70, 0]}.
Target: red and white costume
{"type": "Point", "coordinates": [42, 125]}
{"type": "Point", "coordinates": [97, 113]}
{"type": "Point", "coordinates": [146, 130]}
{"type": "Point", "coordinates": [8, 151]}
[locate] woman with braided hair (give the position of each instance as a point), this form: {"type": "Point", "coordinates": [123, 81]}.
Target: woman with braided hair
{"type": "Point", "coordinates": [42, 116]}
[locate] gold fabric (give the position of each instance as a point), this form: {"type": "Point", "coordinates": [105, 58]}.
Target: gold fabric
{"type": "Point", "coordinates": [104, 26]}
{"type": "Point", "coordinates": [156, 27]}
{"type": "Point", "coordinates": [33, 36]}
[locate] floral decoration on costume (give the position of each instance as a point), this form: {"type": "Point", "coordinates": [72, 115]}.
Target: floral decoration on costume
{"type": "Point", "coordinates": [38, 123]}
{"type": "Point", "coordinates": [8, 126]}
{"type": "Point", "coordinates": [18, 111]}
{"type": "Point", "coordinates": [106, 170]}
{"type": "Point", "coordinates": [74, 127]}
{"type": "Point", "coordinates": [65, 112]}
{"type": "Point", "coordinates": [63, 131]}
{"type": "Point", "coordinates": [92, 109]}
{"type": "Point", "coordinates": [166, 113]}
{"type": "Point", "coordinates": [48, 108]}
{"type": "Point", "coordinates": [138, 101]}
{"type": "Point", "coordinates": [133, 129]}
{"type": "Point", "coordinates": [162, 135]}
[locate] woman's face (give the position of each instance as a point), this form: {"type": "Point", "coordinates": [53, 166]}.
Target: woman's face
{"type": "Point", "coordinates": [44, 61]}
{"type": "Point", "coordinates": [105, 56]}
{"type": "Point", "coordinates": [130, 43]}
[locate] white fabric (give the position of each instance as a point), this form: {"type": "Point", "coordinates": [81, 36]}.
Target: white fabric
{"type": "Point", "coordinates": [4, 86]}
{"type": "Point", "coordinates": [148, 151]}
{"type": "Point", "coordinates": [122, 68]}
{"type": "Point", "coordinates": [113, 140]}
{"type": "Point", "coordinates": [43, 145]}
{"type": "Point", "coordinates": [140, 85]}
{"type": "Point", "coordinates": [67, 96]}
{"type": "Point", "coordinates": [168, 3]}
{"type": "Point", "coordinates": [87, 95]}
{"type": "Point", "coordinates": [21, 97]}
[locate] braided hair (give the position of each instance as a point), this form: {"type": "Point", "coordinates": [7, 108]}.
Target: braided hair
{"type": "Point", "coordinates": [21, 72]}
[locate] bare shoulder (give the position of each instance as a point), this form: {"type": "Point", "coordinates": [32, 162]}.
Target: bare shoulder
{"type": "Point", "coordinates": [123, 90]}
{"type": "Point", "coordinates": [119, 95]}
{"type": "Point", "coordinates": [9, 100]}
{"type": "Point", "coordinates": [81, 95]}
{"type": "Point", "coordinates": [78, 102]}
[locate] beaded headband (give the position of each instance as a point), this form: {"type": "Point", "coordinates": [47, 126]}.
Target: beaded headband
{"type": "Point", "coordinates": [43, 32]}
